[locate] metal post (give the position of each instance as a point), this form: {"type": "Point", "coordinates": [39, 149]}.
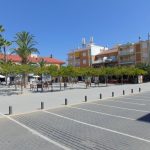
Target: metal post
{"type": "Point", "coordinates": [66, 101]}
{"type": "Point", "coordinates": [139, 89]}
{"type": "Point", "coordinates": [42, 105]}
{"type": "Point", "coordinates": [100, 96]}
{"type": "Point", "coordinates": [10, 110]}
{"type": "Point", "coordinates": [131, 90]}
{"type": "Point", "coordinates": [112, 94]}
{"type": "Point", "coordinates": [85, 98]}
{"type": "Point", "coordinates": [123, 92]}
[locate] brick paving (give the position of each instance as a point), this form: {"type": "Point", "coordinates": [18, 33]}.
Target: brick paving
{"type": "Point", "coordinates": [119, 123]}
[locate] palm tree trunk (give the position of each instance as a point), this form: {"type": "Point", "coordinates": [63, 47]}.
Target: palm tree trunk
{"type": "Point", "coordinates": [42, 84]}
{"type": "Point", "coordinates": [122, 79]}
{"type": "Point", "coordinates": [25, 80]}
{"type": "Point", "coordinates": [15, 84]}
{"type": "Point", "coordinates": [6, 76]}
{"type": "Point", "coordinates": [21, 84]}
{"type": "Point", "coordinates": [106, 80]}
{"type": "Point", "coordinates": [4, 49]}
{"type": "Point", "coordinates": [60, 82]}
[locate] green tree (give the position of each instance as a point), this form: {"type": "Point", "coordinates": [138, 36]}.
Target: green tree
{"type": "Point", "coordinates": [4, 46]}
{"type": "Point", "coordinates": [3, 43]}
{"type": "Point", "coordinates": [25, 47]}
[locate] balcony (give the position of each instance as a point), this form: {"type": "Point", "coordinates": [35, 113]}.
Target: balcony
{"type": "Point", "coordinates": [97, 61]}
{"type": "Point", "coordinates": [106, 60]}
{"type": "Point", "coordinates": [125, 62]}
{"type": "Point", "coordinates": [125, 53]}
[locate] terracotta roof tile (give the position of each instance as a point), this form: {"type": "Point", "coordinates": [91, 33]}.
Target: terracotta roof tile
{"type": "Point", "coordinates": [16, 58]}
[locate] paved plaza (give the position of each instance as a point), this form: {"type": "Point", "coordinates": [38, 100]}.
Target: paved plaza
{"type": "Point", "coordinates": [118, 123]}
{"type": "Point", "coordinates": [30, 101]}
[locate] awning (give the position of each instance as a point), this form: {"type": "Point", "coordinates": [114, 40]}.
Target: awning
{"type": "Point", "coordinates": [36, 76]}
{"type": "Point", "coordinates": [1, 76]}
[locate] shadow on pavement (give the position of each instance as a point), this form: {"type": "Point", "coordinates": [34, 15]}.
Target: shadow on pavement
{"type": "Point", "coordinates": [145, 118]}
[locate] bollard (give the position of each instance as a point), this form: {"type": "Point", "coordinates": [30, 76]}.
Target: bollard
{"type": "Point", "coordinates": [85, 98]}
{"type": "Point", "coordinates": [100, 96]}
{"type": "Point", "coordinates": [112, 94]}
{"type": "Point", "coordinates": [139, 89]}
{"type": "Point", "coordinates": [10, 110]}
{"type": "Point", "coordinates": [123, 92]}
{"type": "Point", "coordinates": [131, 90]}
{"type": "Point", "coordinates": [42, 105]}
{"type": "Point", "coordinates": [66, 101]}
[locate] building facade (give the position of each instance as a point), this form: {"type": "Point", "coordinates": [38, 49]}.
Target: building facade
{"type": "Point", "coordinates": [33, 59]}
{"type": "Point", "coordinates": [134, 53]}
{"type": "Point", "coordinates": [84, 56]}
{"type": "Point", "coordinates": [125, 54]}
{"type": "Point", "coordinates": [106, 58]}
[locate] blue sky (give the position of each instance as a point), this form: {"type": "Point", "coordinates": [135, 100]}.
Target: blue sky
{"type": "Point", "coordinates": [59, 25]}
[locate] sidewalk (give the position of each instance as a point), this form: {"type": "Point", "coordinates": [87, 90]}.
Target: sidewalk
{"type": "Point", "coordinates": [31, 101]}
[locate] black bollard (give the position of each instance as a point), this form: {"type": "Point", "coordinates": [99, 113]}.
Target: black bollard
{"type": "Point", "coordinates": [100, 96]}
{"type": "Point", "coordinates": [42, 105]}
{"type": "Point", "coordinates": [10, 110]}
{"type": "Point", "coordinates": [85, 98]}
{"type": "Point", "coordinates": [112, 94]}
{"type": "Point", "coordinates": [131, 90]}
{"type": "Point", "coordinates": [139, 89]}
{"type": "Point", "coordinates": [123, 92]}
{"type": "Point", "coordinates": [66, 101]}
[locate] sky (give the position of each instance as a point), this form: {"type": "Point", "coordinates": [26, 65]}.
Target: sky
{"type": "Point", "coordinates": [59, 25]}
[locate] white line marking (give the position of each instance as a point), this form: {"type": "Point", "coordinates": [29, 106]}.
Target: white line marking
{"type": "Point", "coordinates": [99, 127]}
{"type": "Point", "coordinates": [126, 102]}
{"type": "Point", "coordinates": [103, 113]}
{"type": "Point", "coordinates": [148, 97]}
{"type": "Point", "coordinates": [36, 133]}
{"type": "Point", "coordinates": [137, 99]}
{"type": "Point", "coordinates": [125, 108]}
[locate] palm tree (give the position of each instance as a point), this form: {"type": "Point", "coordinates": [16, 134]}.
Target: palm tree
{"type": "Point", "coordinates": [25, 42]}
{"type": "Point", "coordinates": [1, 38]}
{"type": "Point", "coordinates": [5, 44]}
{"type": "Point", "coordinates": [1, 28]}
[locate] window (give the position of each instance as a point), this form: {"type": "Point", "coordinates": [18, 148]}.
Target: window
{"type": "Point", "coordinates": [84, 53]}
{"type": "Point", "coordinates": [84, 61]}
{"type": "Point", "coordinates": [144, 45]}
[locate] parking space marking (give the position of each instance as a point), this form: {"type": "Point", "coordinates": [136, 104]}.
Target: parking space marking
{"type": "Point", "coordinates": [98, 127]}
{"type": "Point", "coordinates": [36, 133]}
{"type": "Point", "coordinates": [127, 102]}
{"type": "Point", "coordinates": [97, 112]}
{"type": "Point", "coordinates": [125, 108]}
{"type": "Point", "coordinates": [137, 99]}
{"type": "Point", "coordinates": [143, 96]}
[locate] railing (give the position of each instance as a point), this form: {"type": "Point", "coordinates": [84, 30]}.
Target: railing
{"type": "Point", "coordinates": [127, 62]}
{"type": "Point", "coordinates": [123, 53]}
{"type": "Point", "coordinates": [109, 60]}
{"type": "Point", "coordinates": [98, 61]}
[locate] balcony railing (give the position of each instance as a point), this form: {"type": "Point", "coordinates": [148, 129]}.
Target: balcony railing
{"type": "Point", "coordinates": [109, 60]}
{"type": "Point", "coordinates": [127, 62]}
{"type": "Point", "coordinates": [124, 53]}
{"type": "Point", "coordinates": [98, 61]}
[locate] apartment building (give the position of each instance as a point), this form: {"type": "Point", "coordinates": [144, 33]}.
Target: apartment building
{"type": "Point", "coordinates": [124, 54]}
{"type": "Point", "coordinates": [144, 51]}
{"type": "Point", "coordinates": [84, 56]}
{"type": "Point", "coordinates": [134, 53]}
{"type": "Point", "coordinates": [106, 58]}
{"type": "Point", "coordinates": [127, 54]}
